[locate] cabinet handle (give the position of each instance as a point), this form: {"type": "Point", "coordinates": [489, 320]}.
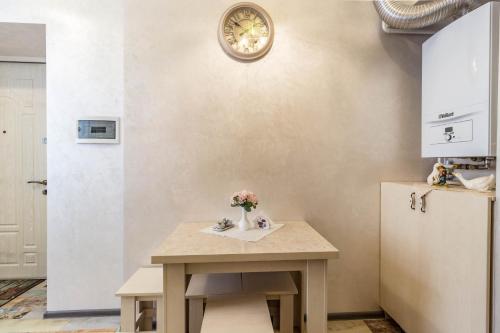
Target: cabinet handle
{"type": "Point", "coordinates": [422, 204]}
{"type": "Point", "coordinates": [412, 200]}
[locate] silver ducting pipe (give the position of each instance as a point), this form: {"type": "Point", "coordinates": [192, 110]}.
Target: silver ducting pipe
{"type": "Point", "coordinates": [399, 15]}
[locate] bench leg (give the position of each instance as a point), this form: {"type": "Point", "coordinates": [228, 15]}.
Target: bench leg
{"type": "Point", "coordinates": [286, 314]}
{"type": "Point", "coordinates": [146, 311]}
{"type": "Point", "coordinates": [127, 314]}
{"type": "Point", "coordinates": [195, 315]}
{"type": "Point", "coordinates": [317, 296]}
{"type": "Point", "coordinates": [160, 315]}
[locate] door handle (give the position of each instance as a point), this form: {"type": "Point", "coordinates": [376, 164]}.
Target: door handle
{"type": "Point", "coordinates": [41, 182]}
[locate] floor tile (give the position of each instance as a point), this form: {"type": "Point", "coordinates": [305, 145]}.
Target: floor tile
{"type": "Point", "coordinates": [33, 325]}
{"type": "Point", "coordinates": [383, 326]}
{"type": "Point", "coordinates": [108, 322]}
{"type": "Point", "coordinates": [348, 326]}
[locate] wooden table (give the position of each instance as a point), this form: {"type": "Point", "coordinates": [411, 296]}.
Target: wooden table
{"type": "Point", "coordinates": [294, 247]}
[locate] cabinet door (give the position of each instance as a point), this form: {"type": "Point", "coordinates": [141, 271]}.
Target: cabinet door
{"type": "Point", "coordinates": [454, 263]}
{"type": "Point", "coordinates": [399, 247]}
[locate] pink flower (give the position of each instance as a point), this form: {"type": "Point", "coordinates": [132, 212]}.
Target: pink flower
{"type": "Point", "coordinates": [252, 198]}
{"type": "Point", "coordinates": [243, 195]}
{"type": "Point", "coordinates": [245, 199]}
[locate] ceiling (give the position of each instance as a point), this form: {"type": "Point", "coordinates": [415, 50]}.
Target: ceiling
{"type": "Point", "coordinates": [22, 40]}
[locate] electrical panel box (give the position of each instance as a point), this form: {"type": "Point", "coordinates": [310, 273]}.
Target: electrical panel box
{"type": "Point", "coordinates": [98, 130]}
{"type": "Point", "coordinates": [459, 86]}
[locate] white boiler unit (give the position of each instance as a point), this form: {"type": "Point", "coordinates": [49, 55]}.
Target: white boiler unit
{"type": "Point", "coordinates": [459, 86]}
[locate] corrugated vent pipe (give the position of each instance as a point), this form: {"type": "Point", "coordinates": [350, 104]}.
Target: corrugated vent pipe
{"type": "Point", "coordinates": [399, 15]}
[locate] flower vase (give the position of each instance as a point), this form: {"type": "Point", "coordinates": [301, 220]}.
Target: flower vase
{"type": "Point", "coordinates": [244, 223]}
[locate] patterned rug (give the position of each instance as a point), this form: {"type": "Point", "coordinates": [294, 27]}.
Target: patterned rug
{"type": "Point", "coordinates": [10, 289]}
{"type": "Point", "coordinates": [31, 302]}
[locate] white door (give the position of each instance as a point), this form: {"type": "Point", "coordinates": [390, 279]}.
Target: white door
{"type": "Point", "coordinates": [23, 226]}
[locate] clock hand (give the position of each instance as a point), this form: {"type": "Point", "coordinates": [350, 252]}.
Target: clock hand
{"type": "Point", "coordinates": [246, 31]}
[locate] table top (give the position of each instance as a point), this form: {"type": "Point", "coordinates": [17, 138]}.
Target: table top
{"type": "Point", "coordinates": [296, 240]}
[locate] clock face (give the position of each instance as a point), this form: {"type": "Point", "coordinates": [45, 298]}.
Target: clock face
{"type": "Point", "coordinates": [246, 31]}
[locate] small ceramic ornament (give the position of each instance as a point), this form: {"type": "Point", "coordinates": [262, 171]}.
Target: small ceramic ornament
{"type": "Point", "coordinates": [262, 222]}
{"type": "Point", "coordinates": [223, 225]}
{"type": "Point", "coordinates": [439, 175]}
{"type": "Point", "coordinates": [481, 184]}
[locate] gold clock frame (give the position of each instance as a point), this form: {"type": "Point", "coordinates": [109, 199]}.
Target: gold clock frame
{"type": "Point", "coordinates": [240, 55]}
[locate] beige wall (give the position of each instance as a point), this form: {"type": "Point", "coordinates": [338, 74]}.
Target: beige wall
{"type": "Point", "coordinates": [312, 128]}
{"type": "Point", "coordinates": [85, 214]}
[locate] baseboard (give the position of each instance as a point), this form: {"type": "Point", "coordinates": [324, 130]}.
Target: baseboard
{"type": "Point", "coordinates": [116, 312]}
{"type": "Point", "coordinates": [356, 315]}
{"type": "Point", "coordinates": [81, 313]}
{"type": "Point", "coordinates": [35, 60]}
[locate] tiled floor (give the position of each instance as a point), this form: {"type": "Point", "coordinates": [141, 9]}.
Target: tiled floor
{"type": "Point", "coordinates": [30, 306]}
{"type": "Point", "coordinates": [363, 326]}
{"type": "Point", "coordinates": [89, 324]}
{"type": "Point", "coordinates": [25, 314]}
{"type": "Point", "coordinates": [348, 326]}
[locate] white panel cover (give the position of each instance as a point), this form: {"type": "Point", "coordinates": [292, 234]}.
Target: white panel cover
{"type": "Point", "coordinates": [456, 87]}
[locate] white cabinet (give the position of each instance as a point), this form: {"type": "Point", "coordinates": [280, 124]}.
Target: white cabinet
{"type": "Point", "coordinates": [435, 265]}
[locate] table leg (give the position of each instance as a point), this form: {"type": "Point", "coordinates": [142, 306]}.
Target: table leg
{"type": "Point", "coordinates": [127, 314]}
{"type": "Point", "coordinates": [303, 300]}
{"type": "Point", "coordinates": [174, 289]}
{"type": "Point", "coordinates": [317, 320]}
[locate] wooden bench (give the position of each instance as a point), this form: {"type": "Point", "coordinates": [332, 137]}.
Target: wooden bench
{"type": "Point", "coordinates": [203, 285]}
{"type": "Point", "coordinates": [271, 285]}
{"type": "Point", "coordinates": [137, 297]}
{"type": "Point", "coordinates": [275, 286]}
{"type": "Point", "coordinates": [240, 313]}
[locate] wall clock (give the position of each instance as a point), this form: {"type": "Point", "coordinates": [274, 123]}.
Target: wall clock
{"type": "Point", "coordinates": [246, 31]}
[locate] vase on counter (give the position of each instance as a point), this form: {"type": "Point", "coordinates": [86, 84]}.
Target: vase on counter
{"type": "Point", "coordinates": [244, 223]}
